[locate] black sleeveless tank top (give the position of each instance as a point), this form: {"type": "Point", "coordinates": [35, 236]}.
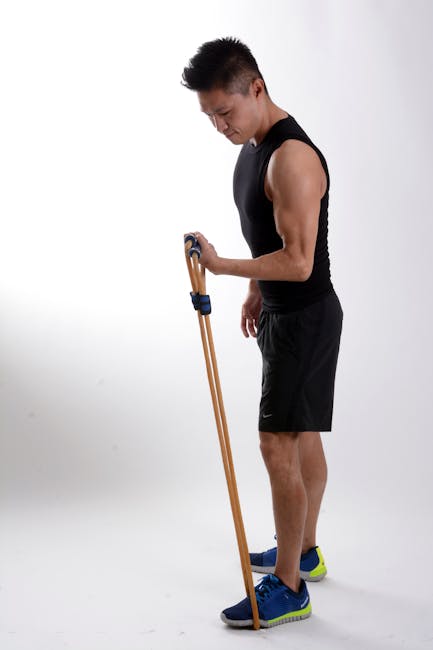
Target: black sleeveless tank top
{"type": "Point", "coordinates": [258, 225]}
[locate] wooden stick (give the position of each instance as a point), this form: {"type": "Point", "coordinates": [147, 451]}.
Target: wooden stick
{"type": "Point", "coordinates": [198, 283]}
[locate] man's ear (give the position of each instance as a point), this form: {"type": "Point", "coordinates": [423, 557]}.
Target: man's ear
{"type": "Point", "coordinates": [258, 87]}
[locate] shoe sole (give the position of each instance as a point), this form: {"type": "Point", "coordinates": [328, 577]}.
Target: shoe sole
{"type": "Point", "coordinates": [304, 574]}
{"type": "Point", "coordinates": [278, 621]}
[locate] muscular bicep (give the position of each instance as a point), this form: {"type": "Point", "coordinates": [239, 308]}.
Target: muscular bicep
{"type": "Point", "coordinates": [295, 183]}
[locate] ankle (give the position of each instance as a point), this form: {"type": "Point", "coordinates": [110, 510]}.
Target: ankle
{"type": "Point", "coordinates": [307, 546]}
{"type": "Point", "coordinates": [293, 582]}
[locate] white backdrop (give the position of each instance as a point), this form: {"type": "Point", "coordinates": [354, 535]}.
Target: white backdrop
{"type": "Point", "coordinates": [106, 161]}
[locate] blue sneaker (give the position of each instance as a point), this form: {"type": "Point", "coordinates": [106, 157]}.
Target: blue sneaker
{"type": "Point", "coordinates": [276, 603]}
{"type": "Point", "coordinates": [312, 566]}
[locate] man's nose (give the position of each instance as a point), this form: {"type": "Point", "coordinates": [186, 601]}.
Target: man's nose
{"type": "Point", "coordinates": [219, 123]}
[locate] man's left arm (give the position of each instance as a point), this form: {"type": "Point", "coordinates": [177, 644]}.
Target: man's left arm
{"type": "Point", "coordinates": [294, 184]}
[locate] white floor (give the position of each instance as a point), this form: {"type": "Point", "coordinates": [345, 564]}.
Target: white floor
{"type": "Point", "coordinates": [154, 574]}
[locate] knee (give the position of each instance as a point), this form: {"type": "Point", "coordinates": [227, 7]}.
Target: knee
{"type": "Point", "coordinates": [268, 451]}
{"type": "Point", "coordinates": [313, 461]}
{"type": "Point", "coordinates": [278, 454]}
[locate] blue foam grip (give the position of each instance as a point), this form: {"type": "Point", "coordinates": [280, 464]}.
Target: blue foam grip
{"type": "Point", "coordinates": [195, 297]}
{"type": "Point", "coordinates": [201, 302]}
{"type": "Point", "coordinates": [205, 306]}
{"type": "Point", "coordinates": [190, 237]}
{"type": "Point", "coordinates": [195, 249]}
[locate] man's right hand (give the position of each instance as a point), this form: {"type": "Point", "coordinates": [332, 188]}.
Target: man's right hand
{"type": "Point", "coordinates": [251, 310]}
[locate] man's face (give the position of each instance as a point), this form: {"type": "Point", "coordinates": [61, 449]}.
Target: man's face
{"type": "Point", "coordinates": [234, 115]}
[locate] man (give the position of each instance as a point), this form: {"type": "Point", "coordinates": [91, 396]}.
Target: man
{"type": "Point", "coordinates": [281, 188]}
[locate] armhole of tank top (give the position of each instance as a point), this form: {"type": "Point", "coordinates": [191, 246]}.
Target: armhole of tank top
{"type": "Point", "coordinates": [263, 172]}
{"type": "Point", "coordinates": [322, 162]}
{"type": "Point", "coordinates": [314, 148]}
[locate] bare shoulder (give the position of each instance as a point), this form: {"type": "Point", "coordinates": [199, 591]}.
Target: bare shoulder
{"type": "Point", "coordinates": [293, 160]}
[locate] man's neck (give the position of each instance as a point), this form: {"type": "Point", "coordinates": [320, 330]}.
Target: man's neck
{"type": "Point", "coordinates": [271, 116]}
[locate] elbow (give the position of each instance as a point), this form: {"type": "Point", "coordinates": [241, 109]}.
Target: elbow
{"type": "Point", "coordinates": [305, 270]}
{"type": "Point", "coordinates": [298, 266]}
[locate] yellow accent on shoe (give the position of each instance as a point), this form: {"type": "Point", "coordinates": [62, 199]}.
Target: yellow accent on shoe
{"type": "Point", "coordinates": [300, 613]}
{"type": "Point", "coordinates": [321, 567]}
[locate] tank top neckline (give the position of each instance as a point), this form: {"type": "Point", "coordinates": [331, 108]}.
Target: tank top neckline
{"type": "Point", "coordinates": [251, 148]}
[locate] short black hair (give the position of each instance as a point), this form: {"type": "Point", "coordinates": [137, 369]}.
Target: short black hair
{"type": "Point", "coordinates": [224, 63]}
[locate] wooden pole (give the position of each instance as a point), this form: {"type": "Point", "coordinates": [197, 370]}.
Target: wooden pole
{"type": "Point", "coordinates": [198, 283]}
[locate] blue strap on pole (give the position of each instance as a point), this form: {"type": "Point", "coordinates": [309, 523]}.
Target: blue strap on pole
{"type": "Point", "coordinates": [201, 302]}
{"type": "Point", "coordinates": [195, 297]}
{"type": "Point", "coordinates": [205, 307]}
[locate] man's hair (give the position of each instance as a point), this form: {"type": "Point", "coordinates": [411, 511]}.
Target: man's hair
{"type": "Point", "coordinates": [226, 64]}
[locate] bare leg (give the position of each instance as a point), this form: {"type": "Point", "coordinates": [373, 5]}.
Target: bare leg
{"type": "Point", "coordinates": [314, 474]}
{"type": "Point", "coordinates": [281, 453]}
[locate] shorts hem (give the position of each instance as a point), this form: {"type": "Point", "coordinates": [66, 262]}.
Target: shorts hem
{"type": "Point", "coordinates": [274, 429]}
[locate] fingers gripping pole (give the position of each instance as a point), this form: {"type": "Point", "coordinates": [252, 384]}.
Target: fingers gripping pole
{"type": "Point", "coordinates": [198, 283]}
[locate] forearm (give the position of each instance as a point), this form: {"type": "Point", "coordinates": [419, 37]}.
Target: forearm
{"type": "Point", "coordinates": [279, 265]}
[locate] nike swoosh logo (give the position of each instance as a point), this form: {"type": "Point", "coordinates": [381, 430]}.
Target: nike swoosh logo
{"type": "Point", "coordinates": [267, 416]}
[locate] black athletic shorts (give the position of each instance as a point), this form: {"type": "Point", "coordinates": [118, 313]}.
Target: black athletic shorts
{"type": "Point", "coordinates": [300, 352]}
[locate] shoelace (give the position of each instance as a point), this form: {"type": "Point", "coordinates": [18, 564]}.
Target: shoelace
{"type": "Point", "coordinates": [264, 588]}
